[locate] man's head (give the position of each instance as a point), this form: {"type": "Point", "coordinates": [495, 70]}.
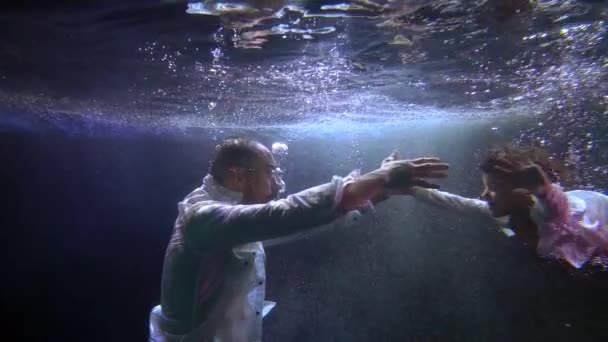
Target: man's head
{"type": "Point", "coordinates": [246, 166]}
{"type": "Point", "coordinates": [505, 192]}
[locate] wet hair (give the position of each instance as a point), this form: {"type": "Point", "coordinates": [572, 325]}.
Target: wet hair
{"type": "Point", "coordinates": [233, 152]}
{"type": "Point", "coordinates": [519, 156]}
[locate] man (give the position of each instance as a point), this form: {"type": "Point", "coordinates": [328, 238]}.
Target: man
{"type": "Point", "coordinates": [213, 282]}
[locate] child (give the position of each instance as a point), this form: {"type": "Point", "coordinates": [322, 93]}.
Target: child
{"type": "Point", "coordinates": [519, 192]}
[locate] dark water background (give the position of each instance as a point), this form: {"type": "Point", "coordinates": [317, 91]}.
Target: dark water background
{"type": "Point", "coordinates": [87, 219]}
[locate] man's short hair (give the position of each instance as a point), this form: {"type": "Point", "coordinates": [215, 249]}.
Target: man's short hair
{"type": "Point", "coordinates": [233, 152]}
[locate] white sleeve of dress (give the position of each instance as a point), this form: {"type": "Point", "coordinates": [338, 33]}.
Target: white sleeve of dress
{"type": "Point", "coordinates": [459, 204]}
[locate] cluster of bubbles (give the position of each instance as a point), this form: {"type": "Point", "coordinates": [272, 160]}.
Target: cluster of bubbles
{"type": "Point", "coordinates": [278, 63]}
{"type": "Point", "coordinates": [280, 151]}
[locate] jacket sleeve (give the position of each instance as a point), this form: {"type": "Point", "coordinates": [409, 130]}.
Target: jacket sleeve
{"type": "Point", "coordinates": [220, 225]}
{"type": "Point", "coordinates": [347, 220]}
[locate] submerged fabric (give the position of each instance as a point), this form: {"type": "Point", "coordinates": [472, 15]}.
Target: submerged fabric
{"type": "Point", "coordinates": [572, 225]}
{"type": "Point", "coordinates": [214, 278]}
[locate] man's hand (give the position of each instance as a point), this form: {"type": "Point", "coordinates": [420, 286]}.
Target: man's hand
{"type": "Point", "coordinates": [402, 175]}
{"type": "Point", "coordinates": [393, 177]}
{"type": "Point", "coordinates": [386, 193]}
{"type": "Point", "coordinates": [391, 157]}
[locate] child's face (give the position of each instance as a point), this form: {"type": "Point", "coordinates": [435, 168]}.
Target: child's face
{"type": "Point", "coordinates": [502, 200]}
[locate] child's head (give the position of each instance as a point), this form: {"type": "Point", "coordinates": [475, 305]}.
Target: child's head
{"type": "Point", "coordinates": [506, 192]}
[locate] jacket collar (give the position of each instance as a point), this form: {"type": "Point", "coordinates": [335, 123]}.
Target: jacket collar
{"type": "Point", "coordinates": [219, 193]}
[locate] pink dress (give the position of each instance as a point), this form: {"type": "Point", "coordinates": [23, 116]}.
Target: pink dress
{"type": "Point", "coordinates": [572, 225]}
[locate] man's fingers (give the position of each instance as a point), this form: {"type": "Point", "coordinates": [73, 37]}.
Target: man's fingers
{"type": "Point", "coordinates": [428, 167]}
{"type": "Point", "coordinates": [425, 160]}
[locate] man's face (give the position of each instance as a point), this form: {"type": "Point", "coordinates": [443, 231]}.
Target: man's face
{"type": "Point", "coordinates": [263, 183]}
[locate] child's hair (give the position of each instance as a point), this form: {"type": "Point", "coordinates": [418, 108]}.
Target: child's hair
{"type": "Point", "coordinates": [519, 156]}
{"type": "Point", "coordinates": [556, 216]}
